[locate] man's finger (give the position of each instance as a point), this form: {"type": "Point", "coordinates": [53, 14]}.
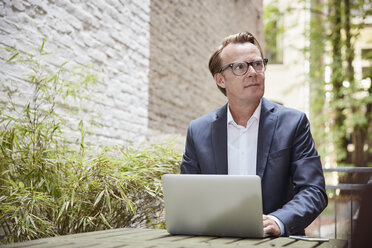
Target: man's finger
{"type": "Point", "coordinates": [266, 223]}
{"type": "Point", "coordinates": [270, 226]}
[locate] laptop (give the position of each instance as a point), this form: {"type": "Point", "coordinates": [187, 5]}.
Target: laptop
{"type": "Point", "coordinates": [213, 205]}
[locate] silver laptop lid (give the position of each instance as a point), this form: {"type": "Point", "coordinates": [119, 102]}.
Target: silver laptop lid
{"type": "Point", "coordinates": [216, 205]}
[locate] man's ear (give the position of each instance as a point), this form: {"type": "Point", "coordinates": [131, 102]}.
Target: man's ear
{"type": "Point", "coordinates": [220, 80]}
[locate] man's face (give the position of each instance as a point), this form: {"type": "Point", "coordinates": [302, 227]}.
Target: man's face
{"type": "Point", "coordinates": [248, 88]}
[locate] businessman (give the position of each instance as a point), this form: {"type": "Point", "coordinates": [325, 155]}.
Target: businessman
{"type": "Point", "coordinates": [253, 136]}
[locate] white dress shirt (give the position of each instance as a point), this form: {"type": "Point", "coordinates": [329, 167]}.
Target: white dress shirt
{"type": "Point", "coordinates": [242, 144]}
{"type": "Point", "coordinates": [242, 148]}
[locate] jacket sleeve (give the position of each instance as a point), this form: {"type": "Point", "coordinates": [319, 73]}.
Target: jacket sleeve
{"type": "Point", "coordinates": [189, 164]}
{"type": "Point", "coordinates": [309, 195]}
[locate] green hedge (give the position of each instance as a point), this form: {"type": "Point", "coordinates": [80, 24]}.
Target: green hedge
{"type": "Point", "coordinates": [115, 189]}
{"type": "Point", "coordinates": [50, 186]}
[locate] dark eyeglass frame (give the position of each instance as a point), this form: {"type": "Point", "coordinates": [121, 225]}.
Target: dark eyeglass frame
{"type": "Point", "coordinates": [248, 64]}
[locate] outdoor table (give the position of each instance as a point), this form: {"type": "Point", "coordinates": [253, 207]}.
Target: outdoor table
{"type": "Point", "coordinates": [131, 237]}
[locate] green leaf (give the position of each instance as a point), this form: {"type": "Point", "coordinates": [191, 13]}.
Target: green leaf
{"type": "Point", "coordinates": [3, 197]}
{"type": "Point", "coordinates": [81, 124]}
{"type": "Point", "coordinates": [129, 206]}
{"type": "Point", "coordinates": [12, 183]}
{"type": "Point", "coordinates": [63, 64]}
{"type": "Point", "coordinates": [61, 210]}
{"type": "Point", "coordinates": [32, 222]}
{"type": "Point", "coordinates": [13, 57]}
{"type": "Point", "coordinates": [104, 220]}
{"type": "Point", "coordinates": [72, 198]}
{"type": "Point", "coordinates": [99, 198]}
{"type": "Point", "coordinates": [108, 200]}
{"type": "Point", "coordinates": [42, 46]}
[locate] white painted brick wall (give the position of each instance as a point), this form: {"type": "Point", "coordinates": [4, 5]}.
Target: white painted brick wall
{"type": "Point", "coordinates": [101, 33]}
{"type": "Point", "coordinates": [154, 54]}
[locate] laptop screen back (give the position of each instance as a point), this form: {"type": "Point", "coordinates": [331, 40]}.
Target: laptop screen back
{"type": "Point", "coordinates": [216, 205]}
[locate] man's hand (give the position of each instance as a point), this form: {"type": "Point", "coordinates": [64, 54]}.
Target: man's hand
{"type": "Point", "coordinates": [270, 226]}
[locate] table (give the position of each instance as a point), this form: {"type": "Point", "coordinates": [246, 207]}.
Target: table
{"type": "Point", "coordinates": [131, 237]}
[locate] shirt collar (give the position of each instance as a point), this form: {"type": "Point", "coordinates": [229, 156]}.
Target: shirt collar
{"type": "Point", "coordinates": [256, 115]}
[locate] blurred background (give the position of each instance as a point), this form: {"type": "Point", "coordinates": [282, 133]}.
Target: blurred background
{"type": "Point", "coordinates": [134, 72]}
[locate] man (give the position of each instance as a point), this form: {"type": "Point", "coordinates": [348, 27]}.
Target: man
{"type": "Point", "coordinates": [251, 135]}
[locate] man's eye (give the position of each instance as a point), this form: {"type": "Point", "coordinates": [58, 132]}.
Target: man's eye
{"type": "Point", "coordinates": [239, 66]}
{"type": "Point", "coordinates": [256, 63]}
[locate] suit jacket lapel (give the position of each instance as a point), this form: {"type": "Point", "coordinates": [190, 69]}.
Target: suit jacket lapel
{"type": "Point", "coordinates": [266, 132]}
{"type": "Point", "coordinates": [219, 140]}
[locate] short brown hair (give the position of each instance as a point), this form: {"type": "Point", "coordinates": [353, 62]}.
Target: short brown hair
{"type": "Point", "coordinates": [215, 60]}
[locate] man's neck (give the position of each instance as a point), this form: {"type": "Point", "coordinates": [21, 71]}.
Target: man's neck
{"type": "Point", "coordinates": [242, 112]}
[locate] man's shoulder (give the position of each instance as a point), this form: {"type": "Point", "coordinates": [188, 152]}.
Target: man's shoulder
{"type": "Point", "coordinates": [282, 111]}
{"type": "Point", "coordinates": [210, 117]}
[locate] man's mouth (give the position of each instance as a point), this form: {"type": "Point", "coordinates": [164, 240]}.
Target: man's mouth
{"type": "Point", "coordinates": [251, 85]}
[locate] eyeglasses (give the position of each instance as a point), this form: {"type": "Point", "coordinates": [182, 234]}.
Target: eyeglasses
{"type": "Point", "coordinates": [241, 68]}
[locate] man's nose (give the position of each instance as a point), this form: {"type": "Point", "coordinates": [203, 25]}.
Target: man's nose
{"type": "Point", "coordinates": [251, 71]}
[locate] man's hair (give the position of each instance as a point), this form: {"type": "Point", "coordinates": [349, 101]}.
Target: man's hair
{"type": "Point", "coordinates": [215, 60]}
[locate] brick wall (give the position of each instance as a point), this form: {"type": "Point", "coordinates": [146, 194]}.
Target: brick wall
{"type": "Point", "coordinates": [111, 35]}
{"type": "Point", "coordinates": [154, 55]}
{"type": "Point", "coordinates": [184, 35]}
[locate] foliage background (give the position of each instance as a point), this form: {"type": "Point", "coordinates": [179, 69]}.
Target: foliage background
{"type": "Point", "coordinates": [342, 104]}
{"type": "Point", "coordinates": [340, 98]}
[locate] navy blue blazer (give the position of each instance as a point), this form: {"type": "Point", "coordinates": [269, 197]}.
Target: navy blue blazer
{"type": "Point", "coordinates": [293, 188]}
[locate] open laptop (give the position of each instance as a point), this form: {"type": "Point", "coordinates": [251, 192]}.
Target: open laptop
{"type": "Point", "coordinates": [214, 205]}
